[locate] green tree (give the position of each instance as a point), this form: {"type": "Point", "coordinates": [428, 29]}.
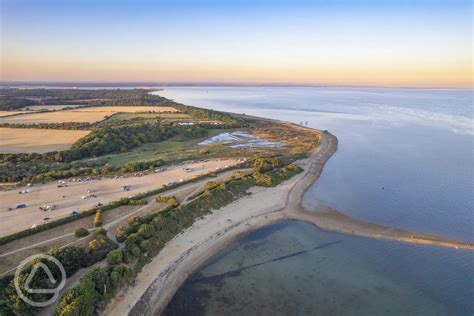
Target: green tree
{"type": "Point", "coordinates": [115, 256]}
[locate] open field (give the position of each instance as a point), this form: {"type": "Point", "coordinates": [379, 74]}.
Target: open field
{"type": "Point", "coordinates": [29, 140]}
{"type": "Point", "coordinates": [69, 198]}
{"type": "Point", "coordinates": [56, 117]}
{"type": "Point", "coordinates": [170, 150]}
{"type": "Point", "coordinates": [8, 113]}
{"type": "Point", "coordinates": [128, 109]}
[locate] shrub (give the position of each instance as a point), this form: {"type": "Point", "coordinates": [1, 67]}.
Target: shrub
{"type": "Point", "coordinates": [98, 219]}
{"type": "Point", "coordinates": [136, 252]}
{"type": "Point", "coordinates": [145, 246]}
{"type": "Point", "coordinates": [263, 179]}
{"type": "Point", "coordinates": [115, 256]}
{"type": "Point", "coordinates": [146, 231]}
{"type": "Point", "coordinates": [81, 232]}
{"type": "Point", "coordinates": [264, 164]}
{"type": "Point", "coordinates": [171, 200]}
{"type": "Point", "coordinates": [124, 230]}
{"type": "Point", "coordinates": [100, 240]}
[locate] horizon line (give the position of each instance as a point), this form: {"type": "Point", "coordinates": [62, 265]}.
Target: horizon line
{"type": "Point", "coordinates": [156, 84]}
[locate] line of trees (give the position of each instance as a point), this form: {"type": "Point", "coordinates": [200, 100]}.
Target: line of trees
{"type": "Point", "coordinates": [64, 125]}
{"type": "Point", "coordinates": [9, 104]}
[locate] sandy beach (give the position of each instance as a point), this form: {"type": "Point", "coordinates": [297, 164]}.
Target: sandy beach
{"type": "Point", "coordinates": [158, 281]}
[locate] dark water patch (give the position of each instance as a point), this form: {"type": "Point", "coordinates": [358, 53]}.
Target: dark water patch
{"type": "Point", "coordinates": [238, 271]}
{"type": "Point", "coordinates": [188, 301]}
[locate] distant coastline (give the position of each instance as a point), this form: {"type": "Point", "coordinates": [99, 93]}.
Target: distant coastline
{"type": "Point", "coordinates": [159, 85]}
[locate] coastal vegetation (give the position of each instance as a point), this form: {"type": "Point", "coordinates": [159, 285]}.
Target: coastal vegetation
{"type": "Point", "coordinates": [144, 237]}
{"type": "Point", "coordinates": [72, 259]}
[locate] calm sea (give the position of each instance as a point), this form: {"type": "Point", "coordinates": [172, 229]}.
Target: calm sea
{"type": "Point", "coordinates": [405, 159]}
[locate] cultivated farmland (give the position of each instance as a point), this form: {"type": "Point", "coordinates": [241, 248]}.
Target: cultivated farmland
{"type": "Point", "coordinates": [29, 140]}
{"type": "Point", "coordinates": [56, 117]}
{"type": "Point", "coordinates": [128, 109]}
{"type": "Point", "coordinates": [89, 115]}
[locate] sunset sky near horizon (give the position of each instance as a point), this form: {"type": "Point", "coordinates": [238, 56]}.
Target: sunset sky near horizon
{"type": "Point", "coordinates": [376, 43]}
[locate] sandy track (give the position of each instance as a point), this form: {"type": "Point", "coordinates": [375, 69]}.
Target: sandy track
{"type": "Point", "coordinates": [70, 198]}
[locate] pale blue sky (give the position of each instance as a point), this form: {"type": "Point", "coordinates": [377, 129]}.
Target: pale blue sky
{"type": "Point", "coordinates": [366, 42]}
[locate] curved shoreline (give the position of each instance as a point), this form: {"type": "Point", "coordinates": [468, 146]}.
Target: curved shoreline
{"type": "Point", "coordinates": [160, 279]}
{"type": "Point", "coordinates": [330, 219]}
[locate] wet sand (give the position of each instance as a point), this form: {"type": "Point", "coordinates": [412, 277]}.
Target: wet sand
{"type": "Point", "coordinates": [160, 279]}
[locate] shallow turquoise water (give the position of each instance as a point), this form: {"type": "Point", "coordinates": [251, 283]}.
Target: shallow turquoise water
{"type": "Point", "coordinates": [294, 268]}
{"type": "Point", "coordinates": [405, 159]}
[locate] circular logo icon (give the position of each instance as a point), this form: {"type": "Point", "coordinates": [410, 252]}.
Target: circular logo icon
{"type": "Point", "coordinates": [40, 265]}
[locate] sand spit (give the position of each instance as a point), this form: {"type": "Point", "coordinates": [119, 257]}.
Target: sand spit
{"type": "Point", "coordinates": [159, 280]}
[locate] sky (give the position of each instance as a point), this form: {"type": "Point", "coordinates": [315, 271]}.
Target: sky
{"type": "Point", "coordinates": [369, 43]}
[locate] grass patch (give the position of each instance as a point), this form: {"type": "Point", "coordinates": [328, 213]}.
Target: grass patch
{"type": "Point", "coordinates": [171, 150]}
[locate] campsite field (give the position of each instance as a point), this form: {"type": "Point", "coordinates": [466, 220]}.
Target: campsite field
{"type": "Point", "coordinates": [68, 199]}
{"type": "Point", "coordinates": [29, 140]}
